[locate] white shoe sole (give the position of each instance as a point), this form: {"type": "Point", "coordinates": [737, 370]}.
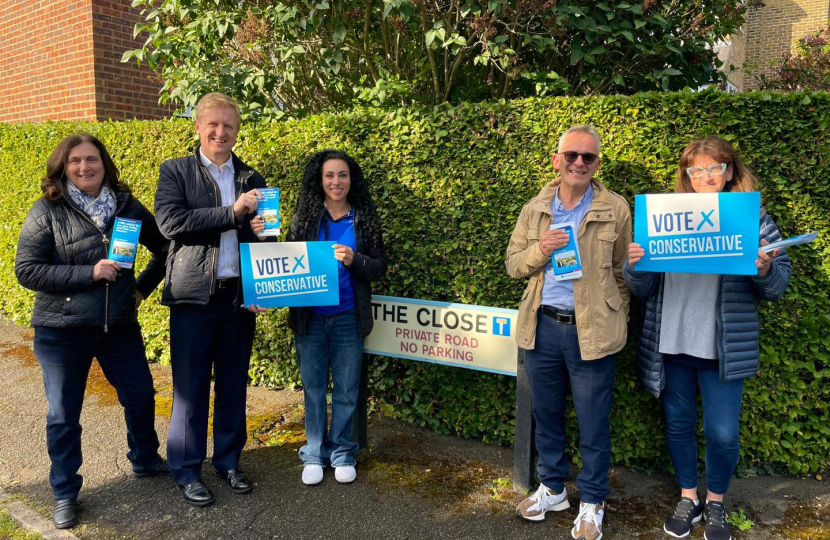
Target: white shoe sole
{"type": "Point", "coordinates": [581, 537]}
{"type": "Point", "coordinates": [564, 505]}
{"type": "Point", "coordinates": [695, 520]}
{"type": "Point", "coordinates": [312, 481]}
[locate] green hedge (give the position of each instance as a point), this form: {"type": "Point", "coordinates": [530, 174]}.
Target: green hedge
{"type": "Point", "coordinates": [450, 183]}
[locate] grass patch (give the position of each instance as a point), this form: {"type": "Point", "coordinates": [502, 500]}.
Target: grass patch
{"type": "Point", "coordinates": [10, 530]}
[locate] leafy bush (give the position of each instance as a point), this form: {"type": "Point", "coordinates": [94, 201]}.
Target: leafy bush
{"type": "Point", "coordinates": [450, 182]}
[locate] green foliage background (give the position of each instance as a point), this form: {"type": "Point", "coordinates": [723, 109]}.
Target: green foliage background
{"type": "Point", "coordinates": [450, 182]}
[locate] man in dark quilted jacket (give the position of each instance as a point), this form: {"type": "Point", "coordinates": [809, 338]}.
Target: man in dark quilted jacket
{"type": "Point", "coordinates": [204, 204]}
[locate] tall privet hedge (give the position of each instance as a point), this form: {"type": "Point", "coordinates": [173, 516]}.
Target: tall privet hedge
{"type": "Point", "coordinates": [450, 183]}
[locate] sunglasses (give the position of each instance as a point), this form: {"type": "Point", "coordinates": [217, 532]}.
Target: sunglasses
{"type": "Point", "coordinates": [587, 157]}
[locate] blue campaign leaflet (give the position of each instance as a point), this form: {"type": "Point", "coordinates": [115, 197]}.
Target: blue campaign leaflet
{"type": "Point", "coordinates": [289, 274]}
{"type": "Point", "coordinates": [794, 241]}
{"type": "Point", "coordinates": [269, 210]}
{"type": "Point", "coordinates": [124, 241]}
{"type": "Point", "coordinates": [565, 260]}
{"type": "Point", "coordinates": [699, 233]}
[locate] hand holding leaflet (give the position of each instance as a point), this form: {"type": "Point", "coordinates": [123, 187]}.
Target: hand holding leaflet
{"type": "Point", "coordinates": [794, 241]}
{"type": "Point", "coordinates": [567, 264]}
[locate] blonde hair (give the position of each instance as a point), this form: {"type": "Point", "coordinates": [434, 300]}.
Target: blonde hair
{"type": "Point", "coordinates": [217, 100]}
{"type": "Point", "coordinates": [582, 128]}
{"type": "Point", "coordinates": [721, 151]}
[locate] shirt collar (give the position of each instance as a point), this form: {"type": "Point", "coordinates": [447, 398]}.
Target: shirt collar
{"type": "Point", "coordinates": [227, 166]}
{"type": "Point", "coordinates": [587, 197]}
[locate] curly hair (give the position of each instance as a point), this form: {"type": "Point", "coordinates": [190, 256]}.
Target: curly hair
{"type": "Point", "coordinates": [53, 184]}
{"type": "Point", "coordinates": [720, 150]}
{"type": "Point", "coordinates": [310, 208]}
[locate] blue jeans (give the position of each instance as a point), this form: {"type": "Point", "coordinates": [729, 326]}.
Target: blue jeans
{"type": "Point", "coordinates": [554, 362]}
{"type": "Point", "coordinates": [330, 341]}
{"type": "Point", "coordinates": [65, 356]}
{"type": "Point", "coordinates": [721, 415]}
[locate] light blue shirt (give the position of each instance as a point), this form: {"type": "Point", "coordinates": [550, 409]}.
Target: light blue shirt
{"type": "Point", "coordinates": [228, 264]}
{"type": "Point", "coordinates": [560, 294]}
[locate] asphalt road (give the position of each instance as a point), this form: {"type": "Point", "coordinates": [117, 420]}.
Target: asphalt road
{"type": "Point", "coordinates": [412, 484]}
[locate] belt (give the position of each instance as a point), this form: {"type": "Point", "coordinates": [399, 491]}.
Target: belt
{"type": "Point", "coordinates": [227, 283]}
{"type": "Point", "coordinates": [564, 318]}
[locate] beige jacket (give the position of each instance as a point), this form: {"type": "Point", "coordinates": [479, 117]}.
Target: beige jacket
{"type": "Point", "coordinates": [600, 295]}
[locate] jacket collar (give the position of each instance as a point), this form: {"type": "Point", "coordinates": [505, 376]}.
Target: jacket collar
{"type": "Point", "coordinates": [241, 170]}
{"type": "Point", "coordinates": [542, 201]}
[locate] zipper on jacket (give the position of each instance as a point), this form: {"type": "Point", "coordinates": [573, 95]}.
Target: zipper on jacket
{"type": "Point", "coordinates": [217, 204]}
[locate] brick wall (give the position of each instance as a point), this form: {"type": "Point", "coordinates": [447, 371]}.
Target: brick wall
{"type": "Point", "coordinates": [60, 60]}
{"type": "Point", "coordinates": [771, 31]}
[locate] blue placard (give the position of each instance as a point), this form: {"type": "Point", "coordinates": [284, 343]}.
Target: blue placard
{"type": "Point", "coordinates": [289, 274]}
{"type": "Point", "coordinates": [268, 209]}
{"type": "Point", "coordinates": [566, 261]}
{"type": "Point", "coordinates": [699, 233]}
{"type": "Point", "coordinates": [124, 241]}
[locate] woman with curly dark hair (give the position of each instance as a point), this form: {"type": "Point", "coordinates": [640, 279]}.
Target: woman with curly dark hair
{"type": "Point", "coordinates": [86, 307]}
{"type": "Point", "coordinates": [335, 205]}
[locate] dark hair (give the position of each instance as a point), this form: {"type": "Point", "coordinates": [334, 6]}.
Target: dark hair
{"type": "Point", "coordinates": [720, 150]}
{"type": "Point", "coordinates": [53, 184]}
{"type": "Point", "coordinates": [310, 203]}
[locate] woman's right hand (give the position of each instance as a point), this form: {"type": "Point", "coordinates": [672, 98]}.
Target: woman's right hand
{"type": "Point", "coordinates": [635, 253]}
{"type": "Point", "coordinates": [258, 225]}
{"type": "Point", "coordinates": [105, 269]}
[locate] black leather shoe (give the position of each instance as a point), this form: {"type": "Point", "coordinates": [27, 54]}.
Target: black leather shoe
{"type": "Point", "coordinates": [236, 479]}
{"type": "Point", "coordinates": [197, 494]}
{"type": "Point", "coordinates": [66, 513]}
{"type": "Point", "coordinates": [159, 468]}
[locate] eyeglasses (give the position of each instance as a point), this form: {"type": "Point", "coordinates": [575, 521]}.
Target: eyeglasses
{"type": "Point", "coordinates": [587, 157]}
{"type": "Point", "coordinates": [696, 173]}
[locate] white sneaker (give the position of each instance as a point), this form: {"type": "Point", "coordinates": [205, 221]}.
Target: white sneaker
{"type": "Point", "coordinates": [312, 474]}
{"type": "Point", "coordinates": [534, 507]}
{"type": "Point", "coordinates": [346, 474]}
{"type": "Point", "coordinates": [588, 523]}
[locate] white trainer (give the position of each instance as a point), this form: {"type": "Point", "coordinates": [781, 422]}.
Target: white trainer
{"type": "Point", "coordinates": [534, 507]}
{"type": "Point", "coordinates": [346, 474]}
{"type": "Point", "coordinates": [312, 474]}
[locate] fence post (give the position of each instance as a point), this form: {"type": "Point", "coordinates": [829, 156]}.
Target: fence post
{"type": "Point", "coordinates": [362, 412]}
{"type": "Point", "coordinates": [524, 449]}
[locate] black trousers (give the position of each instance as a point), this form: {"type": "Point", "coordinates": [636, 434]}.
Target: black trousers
{"type": "Point", "coordinates": [217, 338]}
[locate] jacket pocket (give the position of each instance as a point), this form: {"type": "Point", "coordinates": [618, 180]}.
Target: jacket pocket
{"type": "Point", "coordinates": [614, 301]}
{"type": "Point", "coordinates": [606, 247]}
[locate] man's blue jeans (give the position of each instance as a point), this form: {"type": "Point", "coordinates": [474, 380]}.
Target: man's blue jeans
{"type": "Point", "coordinates": [554, 363]}
{"type": "Point", "coordinates": [65, 356]}
{"type": "Point", "coordinates": [721, 417]}
{"type": "Point", "coordinates": [330, 341]}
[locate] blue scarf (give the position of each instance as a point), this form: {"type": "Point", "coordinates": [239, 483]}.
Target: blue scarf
{"type": "Point", "coordinates": [100, 209]}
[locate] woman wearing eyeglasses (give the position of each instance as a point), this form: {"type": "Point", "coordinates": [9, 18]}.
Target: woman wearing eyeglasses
{"type": "Point", "coordinates": [702, 330]}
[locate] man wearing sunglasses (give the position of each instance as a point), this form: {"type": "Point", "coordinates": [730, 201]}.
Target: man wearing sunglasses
{"type": "Point", "coordinates": [571, 330]}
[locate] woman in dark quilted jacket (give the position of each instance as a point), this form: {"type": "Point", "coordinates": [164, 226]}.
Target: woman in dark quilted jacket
{"type": "Point", "coordinates": [701, 330]}
{"type": "Point", "coordinates": [85, 308]}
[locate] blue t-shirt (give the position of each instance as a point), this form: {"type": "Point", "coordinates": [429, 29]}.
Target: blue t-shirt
{"type": "Point", "coordinates": [339, 232]}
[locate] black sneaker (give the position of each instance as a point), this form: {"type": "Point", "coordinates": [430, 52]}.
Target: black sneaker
{"type": "Point", "coordinates": [679, 524]}
{"type": "Point", "coordinates": [716, 528]}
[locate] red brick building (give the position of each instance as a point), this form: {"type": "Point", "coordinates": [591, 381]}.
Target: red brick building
{"type": "Point", "coordinates": [61, 60]}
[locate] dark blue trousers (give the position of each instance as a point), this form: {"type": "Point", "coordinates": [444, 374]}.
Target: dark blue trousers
{"type": "Point", "coordinates": [555, 362]}
{"type": "Point", "coordinates": [213, 338]}
{"type": "Point", "coordinates": [65, 356]}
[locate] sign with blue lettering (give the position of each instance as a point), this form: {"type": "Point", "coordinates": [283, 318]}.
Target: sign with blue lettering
{"type": "Point", "coordinates": [289, 274]}
{"type": "Point", "coordinates": [699, 233]}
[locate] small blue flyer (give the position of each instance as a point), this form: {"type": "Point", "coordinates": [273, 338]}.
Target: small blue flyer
{"type": "Point", "coordinates": [269, 210]}
{"type": "Point", "coordinates": [124, 241]}
{"type": "Point", "coordinates": [566, 261]}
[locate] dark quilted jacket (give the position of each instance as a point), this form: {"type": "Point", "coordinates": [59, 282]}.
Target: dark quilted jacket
{"type": "Point", "coordinates": [58, 248]}
{"type": "Point", "coordinates": [736, 319]}
{"type": "Point", "coordinates": [189, 212]}
{"type": "Point", "coordinates": [369, 265]}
